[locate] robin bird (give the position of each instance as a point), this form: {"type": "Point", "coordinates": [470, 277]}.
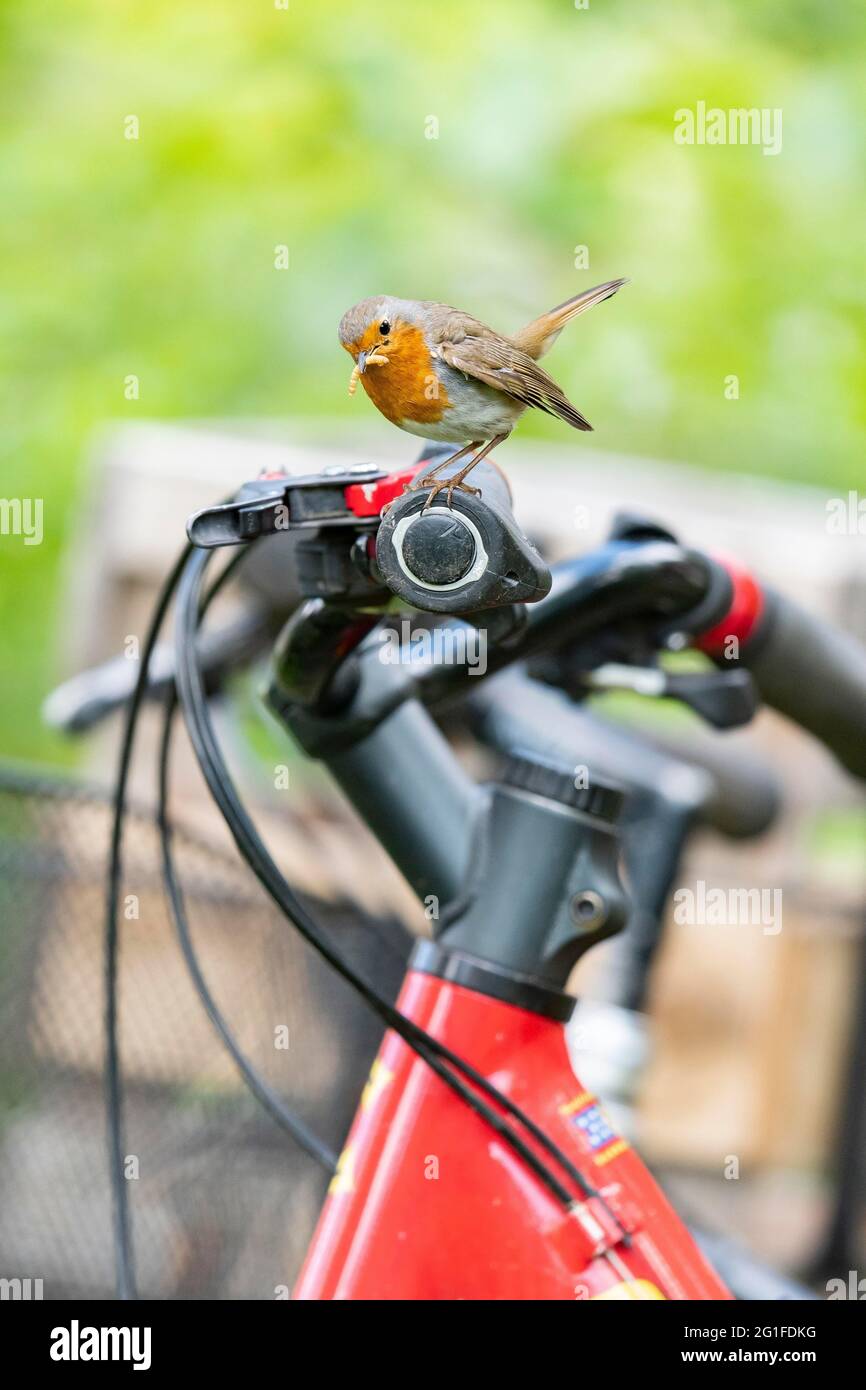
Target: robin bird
{"type": "Point", "coordinates": [445, 376]}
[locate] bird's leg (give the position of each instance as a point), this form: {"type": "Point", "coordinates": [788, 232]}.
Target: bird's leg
{"type": "Point", "coordinates": [429, 480]}
{"type": "Point", "coordinates": [457, 481]}
{"type": "Point", "coordinates": [430, 477]}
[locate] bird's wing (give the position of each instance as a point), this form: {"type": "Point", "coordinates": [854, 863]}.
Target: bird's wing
{"type": "Point", "coordinates": [475, 350]}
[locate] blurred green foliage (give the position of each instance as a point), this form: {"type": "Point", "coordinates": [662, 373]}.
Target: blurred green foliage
{"type": "Point", "coordinates": [307, 127]}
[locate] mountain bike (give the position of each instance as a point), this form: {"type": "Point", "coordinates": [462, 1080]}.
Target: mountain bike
{"type": "Point", "coordinates": [478, 1166]}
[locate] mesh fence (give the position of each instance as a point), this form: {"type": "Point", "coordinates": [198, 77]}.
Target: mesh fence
{"type": "Point", "coordinates": [223, 1202]}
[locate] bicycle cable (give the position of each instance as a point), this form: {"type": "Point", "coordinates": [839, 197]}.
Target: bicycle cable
{"type": "Point", "coordinates": [286, 1118]}
{"type": "Point", "coordinates": [123, 1243]}
{"type": "Point", "coordinates": [124, 1262]}
{"type": "Point", "coordinates": [265, 1094]}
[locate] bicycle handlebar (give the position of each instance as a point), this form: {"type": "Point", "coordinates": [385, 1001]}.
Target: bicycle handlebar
{"type": "Point", "coordinates": [814, 674]}
{"type": "Point", "coordinates": [470, 561]}
{"type": "Point", "coordinates": [804, 667]}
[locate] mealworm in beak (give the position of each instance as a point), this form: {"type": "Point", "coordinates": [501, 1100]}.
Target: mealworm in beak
{"type": "Point", "coordinates": [376, 359]}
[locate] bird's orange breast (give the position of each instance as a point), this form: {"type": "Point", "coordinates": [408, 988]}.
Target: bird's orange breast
{"type": "Point", "coordinates": [407, 386]}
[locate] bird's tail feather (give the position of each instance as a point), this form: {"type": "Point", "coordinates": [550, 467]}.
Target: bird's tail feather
{"type": "Point", "coordinates": [539, 336]}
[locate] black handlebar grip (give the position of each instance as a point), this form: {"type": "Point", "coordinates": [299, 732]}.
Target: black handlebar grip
{"type": "Point", "coordinates": [812, 673]}
{"type": "Point", "coordinates": [461, 555]}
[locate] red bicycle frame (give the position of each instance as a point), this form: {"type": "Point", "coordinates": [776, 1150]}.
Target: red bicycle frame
{"type": "Point", "coordinates": [428, 1203]}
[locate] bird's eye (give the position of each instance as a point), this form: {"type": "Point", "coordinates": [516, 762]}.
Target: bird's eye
{"type": "Point", "coordinates": [384, 328]}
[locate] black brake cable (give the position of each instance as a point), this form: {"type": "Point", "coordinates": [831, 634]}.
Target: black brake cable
{"type": "Point", "coordinates": [263, 1092]}
{"type": "Point", "coordinates": [285, 1117]}
{"type": "Point", "coordinates": [253, 850]}
{"type": "Point", "coordinates": [124, 1262]}
{"type": "Point", "coordinates": [122, 1236]}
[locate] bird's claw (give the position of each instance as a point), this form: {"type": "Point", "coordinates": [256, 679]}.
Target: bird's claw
{"type": "Point", "coordinates": [436, 485]}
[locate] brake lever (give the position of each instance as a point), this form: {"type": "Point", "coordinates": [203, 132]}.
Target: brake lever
{"type": "Point", "coordinates": [724, 699]}
{"type": "Point", "coordinates": [282, 503]}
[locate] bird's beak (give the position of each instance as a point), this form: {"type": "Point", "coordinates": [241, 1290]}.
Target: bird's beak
{"type": "Point", "coordinates": [362, 362]}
